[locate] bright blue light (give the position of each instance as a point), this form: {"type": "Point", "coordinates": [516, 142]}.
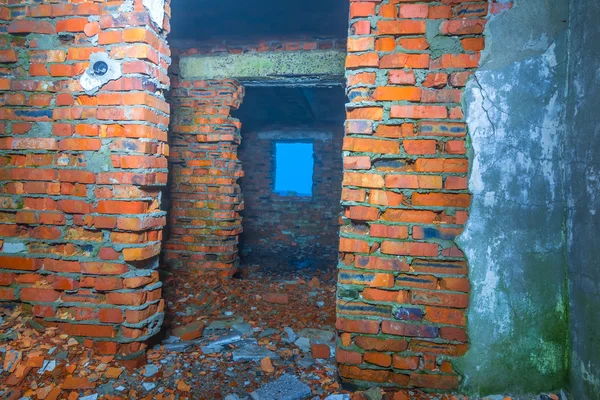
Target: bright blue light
{"type": "Point", "coordinates": [294, 169]}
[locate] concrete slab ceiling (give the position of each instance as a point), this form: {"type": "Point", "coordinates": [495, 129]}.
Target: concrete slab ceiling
{"type": "Point", "coordinates": [291, 68]}
{"type": "Point", "coordinates": [266, 19]}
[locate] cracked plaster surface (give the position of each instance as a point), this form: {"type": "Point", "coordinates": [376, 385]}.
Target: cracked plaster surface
{"type": "Point", "coordinates": [514, 239]}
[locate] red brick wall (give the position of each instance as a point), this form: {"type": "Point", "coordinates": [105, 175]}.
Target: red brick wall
{"type": "Point", "coordinates": [80, 224]}
{"type": "Point", "coordinates": [286, 229]}
{"type": "Point", "coordinates": [403, 285]}
{"type": "Point", "coordinates": [205, 199]}
{"type": "Point", "coordinates": [204, 212]}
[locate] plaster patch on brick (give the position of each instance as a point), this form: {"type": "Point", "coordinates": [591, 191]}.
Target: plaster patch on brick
{"type": "Point", "coordinates": [156, 9]}
{"type": "Point", "coordinates": [93, 78]}
{"type": "Point", "coordinates": [127, 6]}
{"type": "Point", "coordinates": [514, 112]}
{"type": "Point", "coordinates": [10, 247]}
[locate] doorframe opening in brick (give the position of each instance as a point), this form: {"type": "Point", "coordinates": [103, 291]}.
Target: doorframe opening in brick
{"type": "Point", "coordinates": [291, 231]}
{"type": "Point", "coordinates": [207, 87]}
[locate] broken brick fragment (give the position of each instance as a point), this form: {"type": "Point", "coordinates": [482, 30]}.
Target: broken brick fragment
{"type": "Point", "coordinates": [276, 298]}
{"type": "Point", "coordinates": [190, 331]}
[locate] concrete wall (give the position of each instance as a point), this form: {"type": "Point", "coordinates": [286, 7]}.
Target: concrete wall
{"type": "Point", "coordinates": [582, 177]}
{"type": "Point", "coordinates": [515, 236]}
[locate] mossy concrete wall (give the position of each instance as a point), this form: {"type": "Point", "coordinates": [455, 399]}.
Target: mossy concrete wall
{"type": "Point", "coordinates": [293, 67]}
{"type": "Point", "coordinates": [515, 236]}
{"type": "Point", "coordinates": [582, 177]}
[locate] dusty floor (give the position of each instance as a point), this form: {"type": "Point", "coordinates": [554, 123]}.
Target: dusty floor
{"type": "Point", "coordinates": [253, 313]}
{"type": "Point", "coordinates": [221, 340]}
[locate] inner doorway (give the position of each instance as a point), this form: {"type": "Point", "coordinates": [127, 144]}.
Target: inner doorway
{"type": "Point", "coordinates": [291, 157]}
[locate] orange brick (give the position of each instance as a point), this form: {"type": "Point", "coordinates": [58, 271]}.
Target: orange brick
{"type": "Point", "coordinates": [403, 60]}
{"type": "Point", "coordinates": [367, 113]}
{"type": "Point", "coordinates": [388, 11]}
{"type": "Point", "coordinates": [360, 44]}
{"type": "Point", "coordinates": [395, 296]}
{"type": "Point", "coordinates": [362, 213]}
{"type": "Point", "coordinates": [419, 146]}
{"type": "Point", "coordinates": [473, 44]}
{"type": "Point", "coordinates": [371, 145]}
{"type": "Point", "coordinates": [362, 60]}
{"type": "Point", "coordinates": [409, 249]}
{"type": "Point", "coordinates": [353, 245]}
{"type": "Point", "coordinates": [410, 362]}
{"type": "Point", "coordinates": [379, 344]}
{"type": "Point", "coordinates": [414, 10]}
{"type": "Point", "coordinates": [439, 12]}
{"type": "Point", "coordinates": [357, 162]}
{"type": "Point", "coordinates": [385, 198]}
{"type": "Point", "coordinates": [361, 9]}
{"type": "Point", "coordinates": [418, 112]}
{"type": "Point", "coordinates": [381, 359]}
{"type": "Point", "coordinates": [109, 37]}
{"type": "Point", "coordinates": [441, 199]}
{"type": "Point", "coordinates": [358, 326]}
{"type": "Point", "coordinates": [71, 25]}
{"type": "Point", "coordinates": [385, 44]}
{"type": "Point", "coordinates": [388, 231]}
{"type": "Point", "coordinates": [393, 93]}
{"type": "Point", "coordinates": [414, 43]}
{"type": "Point", "coordinates": [401, 27]}
{"type": "Point", "coordinates": [8, 56]}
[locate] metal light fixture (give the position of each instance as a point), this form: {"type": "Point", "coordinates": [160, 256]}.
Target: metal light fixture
{"type": "Point", "coordinates": [100, 68]}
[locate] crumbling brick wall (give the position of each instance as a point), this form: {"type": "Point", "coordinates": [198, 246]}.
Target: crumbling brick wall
{"type": "Point", "coordinates": [204, 193]}
{"type": "Point", "coordinates": [290, 230]}
{"type": "Point", "coordinates": [80, 224]}
{"type": "Point", "coordinates": [205, 198]}
{"type": "Point", "coordinates": [403, 285]}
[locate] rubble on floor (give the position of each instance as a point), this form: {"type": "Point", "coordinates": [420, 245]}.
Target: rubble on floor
{"type": "Point", "coordinates": [223, 340]}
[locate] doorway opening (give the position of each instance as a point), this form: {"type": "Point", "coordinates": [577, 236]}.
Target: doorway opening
{"type": "Point", "coordinates": [291, 156]}
{"type": "Point", "coordinates": [257, 124]}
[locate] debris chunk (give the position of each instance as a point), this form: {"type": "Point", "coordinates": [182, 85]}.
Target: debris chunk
{"type": "Point", "coordinates": [266, 365]}
{"type": "Point", "coordinates": [276, 298]}
{"type": "Point", "coordinates": [181, 385]}
{"type": "Point", "coordinates": [287, 387]}
{"type": "Point", "coordinates": [253, 353]}
{"type": "Point", "coordinates": [190, 331]}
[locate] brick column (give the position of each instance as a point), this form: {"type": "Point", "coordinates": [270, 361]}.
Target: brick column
{"type": "Point", "coordinates": [403, 286]}
{"type": "Point", "coordinates": [205, 196]}
{"type": "Point", "coordinates": [80, 224]}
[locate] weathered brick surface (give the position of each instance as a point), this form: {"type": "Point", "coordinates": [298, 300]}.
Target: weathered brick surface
{"type": "Point", "coordinates": [80, 224]}
{"type": "Point", "coordinates": [204, 192]}
{"type": "Point", "coordinates": [403, 286]}
{"type": "Point", "coordinates": [290, 229]}
{"type": "Point", "coordinates": [205, 196]}
{"type": "Point", "coordinates": [80, 218]}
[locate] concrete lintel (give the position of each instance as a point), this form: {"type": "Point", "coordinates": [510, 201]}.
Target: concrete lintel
{"type": "Point", "coordinates": [294, 68]}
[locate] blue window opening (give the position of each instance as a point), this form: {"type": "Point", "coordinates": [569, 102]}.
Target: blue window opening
{"type": "Point", "coordinates": [294, 164]}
